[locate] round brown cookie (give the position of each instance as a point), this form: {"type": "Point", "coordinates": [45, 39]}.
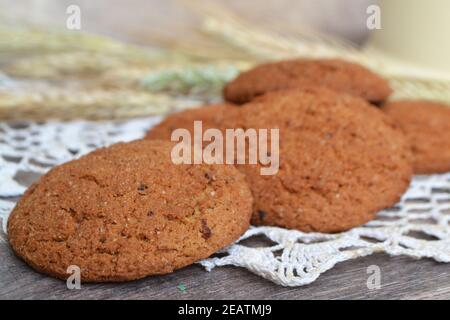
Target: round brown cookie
{"type": "Point", "coordinates": [341, 161]}
{"type": "Point", "coordinates": [218, 116]}
{"type": "Point", "coordinates": [126, 212]}
{"type": "Point", "coordinates": [335, 74]}
{"type": "Point", "coordinates": [427, 127]}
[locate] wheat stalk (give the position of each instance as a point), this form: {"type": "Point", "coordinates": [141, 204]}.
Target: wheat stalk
{"type": "Point", "coordinates": [91, 104]}
{"type": "Point", "coordinates": [72, 64]}
{"type": "Point", "coordinates": [204, 80]}
{"type": "Point", "coordinates": [118, 80]}
{"type": "Point", "coordinates": [421, 89]}
{"type": "Point", "coordinates": [408, 82]}
{"type": "Point", "coordinates": [128, 77]}
{"type": "Point", "coordinates": [34, 40]}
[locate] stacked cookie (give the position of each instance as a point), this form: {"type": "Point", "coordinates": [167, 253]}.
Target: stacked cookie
{"type": "Point", "coordinates": [341, 160]}
{"type": "Point", "coordinates": [427, 128]}
{"type": "Point", "coordinates": [425, 124]}
{"type": "Point", "coordinates": [128, 211]}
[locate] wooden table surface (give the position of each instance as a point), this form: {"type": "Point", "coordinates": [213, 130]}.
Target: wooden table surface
{"type": "Point", "coordinates": [401, 278]}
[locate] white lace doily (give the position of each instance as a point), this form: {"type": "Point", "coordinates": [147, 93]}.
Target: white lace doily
{"type": "Point", "coordinates": [419, 226]}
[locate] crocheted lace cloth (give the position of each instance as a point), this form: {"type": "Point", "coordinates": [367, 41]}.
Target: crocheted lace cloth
{"type": "Point", "coordinates": [419, 226]}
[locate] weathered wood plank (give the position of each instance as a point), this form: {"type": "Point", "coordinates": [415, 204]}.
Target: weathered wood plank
{"type": "Point", "coordinates": [402, 278]}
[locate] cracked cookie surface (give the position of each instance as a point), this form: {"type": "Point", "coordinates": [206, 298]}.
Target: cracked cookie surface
{"type": "Point", "coordinates": [335, 74]}
{"type": "Point", "coordinates": [341, 161]}
{"type": "Point", "coordinates": [126, 212]}
{"type": "Point", "coordinates": [427, 127]}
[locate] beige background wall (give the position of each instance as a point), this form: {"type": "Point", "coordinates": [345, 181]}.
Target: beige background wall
{"type": "Point", "coordinates": [141, 20]}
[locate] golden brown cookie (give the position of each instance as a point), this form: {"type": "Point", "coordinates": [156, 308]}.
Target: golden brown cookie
{"type": "Point", "coordinates": [338, 75]}
{"type": "Point", "coordinates": [126, 212]}
{"type": "Point", "coordinates": [341, 161]}
{"type": "Point", "coordinates": [427, 127]}
{"type": "Point", "coordinates": [218, 116]}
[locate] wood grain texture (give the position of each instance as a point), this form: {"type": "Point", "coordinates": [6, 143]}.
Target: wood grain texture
{"type": "Point", "coordinates": [402, 278]}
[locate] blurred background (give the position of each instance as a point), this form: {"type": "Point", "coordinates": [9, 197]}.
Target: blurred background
{"type": "Point", "coordinates": [109, 59]}
{"type": "Point", "coordinates": [143, 21]}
